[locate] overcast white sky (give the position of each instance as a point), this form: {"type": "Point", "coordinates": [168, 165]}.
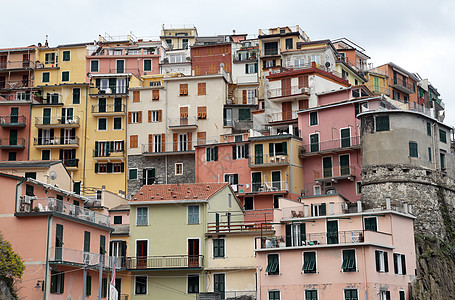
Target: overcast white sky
{"type": "Point", "coordinates": [417, 35]}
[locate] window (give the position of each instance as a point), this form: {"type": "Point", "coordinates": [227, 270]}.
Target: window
{"type": "Point", "coordinates": [273, 267]}
{"type": "Point", "coordinates": [248, 203]}
{"type": "Point", "coordinates": [314, 142]}
{"type": "Point", "coordinates": [309, 262]}
{"type": "Point", "coordinates": [289, 43]}
{"type": "Point", "coordinates": [155, 115]}
{"type": "Point", "coordinates": [88, 285]}
{"type": "Point", "coordinates": [299, 63]}
{"type": "Point", "coordinates": [278, 149]}
{"type": "Point", "coordinates": [399, 263]}
{"type": "Point", "coordinates": [201, 88]}
{"type": "Point", "coordinates": [49, 58]}
{"type": "Point", "coordinates": [57, 282]}
{"type": "Point", "coordinates": [193, 214]}
{"type": "Point", "coordinates": [348, 261]}
{"type": "Point", "coordinates": [148, 176]}
{"type": "Point", "coordinates": [345, 135]}
{"type": "Point", "coordinates": [212, 154]}
{"type": "Point", "coordinates": [202, 112]}
{"type": "Point", "coordinates": [135, 117]}
{"type": "Point", "coordinates": [442, 136]}
{"type": "Point", "coordinates": [102, 124]}
{"type": "Point", "coordinates": [274, 295]}
{"type": "Point", "coordinates": [240, 151]}
{"type": "Point", "coordinates": [311, 295]}
{"type": "Point", "coordinates": [179, 169]}
{"type": "Point", "coordinates": [358, 187]}
{"type": "Point", "coordinates": [132, 174]}
{"type": "Point", "coordinates": [76, 95]}
{"type": "Point", "coordinates": [232, 179]}
{"type": "Point", "coordinates": [117, 219]}
{"type": "Point", "coordinates": [316, 190]}
{"type": "Point", "coordinates": [140, 285]}
{"type": "Point", "coordinates": [147, 65]}
{"type": "Point", "coordinates": [382, 123]}
{"type": "Point", "coordinates": [371, 223]}
{"type": "Point", "coordinates": [12, 156]}
{"type": "Point", "coordinates": [46, 76]}
{"type": "Point", "coordinates": [316, 58]}
{"type": "Point", "coordinates": [193, 283]}
{"type": "Point", "coordinates": [66, 55]}
{"type": "Point", "coordinates": [218, 247]}
{"type": "Point", "coordinates": [318, 209]}
{"type": "Point", "coordinates": [402, 295]}
{"type": "Point", "coordinates": [155, 95]}
{"type": "Point", "coordinates": [104, 288]}
{"type": "Point", "coordinates": [184, 89]}
{"type": "Point", "coordinates": [45, 154]}
{"type": "Point", "coordinates": [428, 128]}
{"type": "Point", "coordinates": [350, 294]}
{"type": "Point", "coordinates": [251, 68]}
{"type": "Point", "coordinates": [182, 142]}
{"type": "Point", "coordinates": [142, 216]}
{"type": "Point", "coordinates": [384, 295]}
{"type": "Point", "coordinates": [136, 96]}
{"type": "Point", "coordinates": [382, 261]}
{"type": "Point", "coordinates": [116, 167]}
{"type": "Point", "coordinates": [65, 76]}
{"type": "Point", "coordinates": [413, 151]}
{"type": "Point", "coordinates": [429, 153]}
{"type": "Point", "coordinates": [118, 123]}
{"type": "Point", "coordinates": [442, 160]}
{"type": "Point", "coordinates": [94, 66]}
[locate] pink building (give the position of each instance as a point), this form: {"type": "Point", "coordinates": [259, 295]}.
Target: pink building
{"type": "Point", "coordinates": [326, 249]}
{"type": "Point", "coordinates": [330, 142]}
{"type": "Point", "coordinates": [56, 237]}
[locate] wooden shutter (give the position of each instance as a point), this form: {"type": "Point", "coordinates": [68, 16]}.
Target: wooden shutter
{"type": "Point", "coordinates": [133, 141]}
{"type": "Point", "coordinates": [190, 141]}
{"type": "Point", "coordinates": [160, 115]}
{"type": "Point", "coordinates": [175, 140]}
{"type": "Point", "coordinates": [184, 89]}
{"type": "Point", "coordinates": [163, 142]}
{"type": "Point", "coordinates": [149, 114]}
{"type": "Point", "coordinates": [136, 96]}
{"type": "Point", "coordinates": [155, 95]}
{"type": "Point", "coordinates": [150, 143]}
{"type": "Point", "coordinates": [244, 96]}
{"type": "Point", "coordinates": [234, 151]}
{"type": "Point", "coordinates": [201, 88]}
{"type": "Point", "coordinates": [183, 112]}
{"type": "Point", "coordinates": [201, 137]}
{"type": "Point", "coordinates": [139, 117]}
{"type": "Point", "coordinates": [130, 114]}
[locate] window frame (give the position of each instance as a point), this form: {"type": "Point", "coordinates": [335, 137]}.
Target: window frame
{"type": "Point", "coordinates": [98, 124]}
{"type": "Point", "coordinates": [151, 66]}
{"type": "Point", "coordinates": [313, 121]}
{"type": "Point", "coordinates": [350, 290]}
{"type": "Point", "coordinates": [135, 285]}
{"type": "Point", "coordinates": [382, 261]}
{"type": "Point", "coordinates": [399, 261]}
{"type": "Point", "coordinates": [273, 296]}
{"type": "Point", "coordinates": [129, 174]}
{"type": "Point", "coordinates": [47, 76]}
{"type": "Point", "coordinates": [306, 270]}
{"type": "Point", "coordinates": [381, 121]}
{"type": "Point", "coordinates": [269, 266]}
{"type": "Point", "coordinates": [188, 283]}
{"type": "Point", "coordinates": [142, 218]}
{"type": "Point", "coordinates": [113, 123]}
{"type": "Point", "coordinates": [68, 58]}
{"type": "Point", "coordinates": [370, 218]}
{"type": "Point", "coordinates": [443, 137]}
{"type": "Point", "coordinates": [65, 76]}
{"type": "Point", "coordinates": [218, 247]}
{"type": "Point", "coordinates": [177, 166]}
{"type": "Point", "coordinates": [347, 268]}
{"type": "Point", "coordinates": [190, 220]}
{"type": "Point", "coordinates": [92, 65]}
{"type": "Point", "coordinates": [413, 149]}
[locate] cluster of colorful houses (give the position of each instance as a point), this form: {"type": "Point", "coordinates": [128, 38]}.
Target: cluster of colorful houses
{"type": "Point", "coordinates": [218, 167]}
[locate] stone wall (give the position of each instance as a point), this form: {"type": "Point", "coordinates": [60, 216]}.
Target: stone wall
{"type": "Point", "coordinates": [431, 195]}
{"type": "Point", "coordinates": [5, 293]}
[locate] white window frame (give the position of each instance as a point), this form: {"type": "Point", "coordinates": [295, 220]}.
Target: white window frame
{"type": "Point", "coordinates": [250, 96]}
{"type": "Point", "coordinates": [151, 67]}
{"type": "Point", "coordinates": [279, 264]}
{"type": "Point", "coordinates": [299, 63]}
{"type": "Point", "coordinates": [358, 187]}
{"type": "Point", "coordinates": [315, 260]}
{"type": "Point", "coordinates": [316, 58]}
{"type": "Point", "coordinates": [381, 261]}
{"type": "Point", "coordinates": [251, 69]}
{"type": "Point", "coordinates": [20, 96]}
{"type": "Point", "coordinates": [177, 166]}
{"type": "Point", "coordinates": [146, 284]}
{"type": "Point", "coordinates": [147, 219]}
{"type": "Point", "coordinates": [137, 177]}
{"type": "Point", "coordinates": [157, 143]}
{"type": "Point", "coordinates": [240, 151]}
{"type": "Point", "coordinates": [98, 66]}
{"type": "Point", "coordinates": [113, 123]}
{"type": "Point", "coordinates": [350, 136]}
{"type": "Point", "coordinates": [121, 86]}
{"type": "Point", "coordinates": [317, 190]}
{"type": "Point", "coordinates": [98, 124]}
{"type": "Point", "coordinates": [154, 116]}
{"type": "Point", "coordinates": [198, 215]}
{"type": "Point", "coordinates": [134, 117]}
{"type": "Point", "coordinates": [317, 118]}
{"type": "Point", "coordinates": [182, 142]}
{"type": "Point", "coordinates": [399, 263]}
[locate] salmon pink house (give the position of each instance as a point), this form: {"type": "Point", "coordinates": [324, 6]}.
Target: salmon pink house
{"type": "Point", "coordinates": [327, 249]}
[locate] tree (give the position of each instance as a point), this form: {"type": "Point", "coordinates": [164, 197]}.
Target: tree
{"type": "Point", "coordinates": [11, 264]}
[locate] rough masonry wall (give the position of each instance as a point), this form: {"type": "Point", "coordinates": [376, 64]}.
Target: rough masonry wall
{"type": "Point", "coordinates": [432, 197]}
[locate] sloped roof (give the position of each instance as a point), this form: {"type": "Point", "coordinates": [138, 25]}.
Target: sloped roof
{"type": "Point", "coordinates": [29, 164]}
{"type": "Point", "coordinates": [189, 192]}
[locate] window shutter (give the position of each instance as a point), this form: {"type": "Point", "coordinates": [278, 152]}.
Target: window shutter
{"type": "Point", "coordinates": [96, 168]}
{"type": "Point", "coordinates": [130, 114]}
{"type": "Point", "coordinates": [302, 232]}
{"type": "Point", "coordinates": [88, 291]}
{"type": "Point", "coordinates": [175, 140]}
{"type": "Point", "coordinates": [53, 282]}
{"type": "Point", "coordinates": [207, 154]}
{"type": "Point", "coordinates": [255, 67]}
{"type": "Point", "coordinates": [247, 149]}
{"type": "Point", "coordinates": [244, 97]}
{"type": "Point", "coordinates": [378, 261]}
{"type": "Point", "coordinates": [234, 152]}
{"type": "Point", "coordinates": [216, 153]}
{"type": "Point", "coordinates": [144, 176]}
{"type": "Point", "coordinates": [60, 154]}
{"type": "Point", "coordinates": [150, 148]}
{"type": "Point", "coordinates": [271, 152]}
{"type": "Point", "coordinates": [323, 209]}
{"type": "Point", "coordinates": [403, 264]}
{"type": "Point", "coordinates": [236, 178]}
{"type": "Point", "coordinates": [86, 241]}
{"type": "Point", "coordinates": [163, 142]}
{"type": "Point", "coordinates": [263, 64]}
{"type": "Point", "coordinates": [160, 115]}
{"type": "Point", "coordinates": [190, 141]}
{"type": "Point", "coordinates": [395, 262]}
{"type": "Point", "coordinates": [139, 117]}
{"type": "Point", "coordinates": [109, 167]}
{"type": "Point", "coordinates": [285, 148]}
{"type": "Point", "coordinates": [386, 262]}
{"type": "Point", "coordinates": [122, 167]}
{"type": "Point", "coordinates": [288, 235]}
{"type": "Point", "coordinates": [149, 116]}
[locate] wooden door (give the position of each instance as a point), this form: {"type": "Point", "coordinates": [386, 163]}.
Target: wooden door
{"type": "Point", "coordinates": [258, 154]}
{"type": "Point", "coordinates": [3, 60]}
{"type": "Point", "coordinates": [285, 87]}
{"type": "Point", "coordinates": [327, 166]}
{"type": "Point", "coordinates": [193, 253]}
{"type": "Point", "coordinates": [141, 254]}
{"type": "Point", "coordinates": [332, 232]}
{"type": "Point", "coordinates": [286, 110]}
{"type": "Point", "coordinates": [25, 60]}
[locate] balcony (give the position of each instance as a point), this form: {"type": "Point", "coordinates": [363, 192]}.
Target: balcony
{"type": "Point", "coordinates": [109, 110]}
{"type": "Point", "coordinates": [109, 91]}
{"type": "Point", "coordinates": [104, 153]}
{"type": "Point", "coordinates": [378, 90]}
{"type": "Point", "coordinates": [269, 187]}
{"type": "Point", "coordinates": [17, 65]}
{"type": "Point", "coordinates": [165, 262]}
{"type": "Point", "coordinates": [259, 161]}
{"type": "Point", "coordinates": [51, 99]}
{"type": "Point", "coordinates": [72, 163]}
{"type": "Point", "coordinates": [56, 142]}
{"type": "Point", "coordinates": [335, 174]}
{"type": "Point", "coordinates": [283, 116]}
{"type": "Point", "coordinates": [242, 125]}
{"type": "Point", "coordinates": [63, 255]}
{"type": "Point", "coordinates": [253, 225]}
{"type": "Point", "coordinates": [32, 205]}
{"type": "Point", "coordinates": [57, 122]}
{"type": "Point", "coordinates": [270, 52]}
{"type": "Point", "coordinates": [321, 148]}
{"type": "Point", "coordinates": [183, 123]}
{"type": "Point", "coordinates": [16, 84]}
{"type": "Point", "coordinates": [156, 149]}
{"type": "Point", "coordinates": [13, 121]}
{"type": "Point", "coordinates": [404, 87]}
{"type": "Point", "coordinates": [12, 143]}
{"type": "Point", "coordinates": [294, 93]}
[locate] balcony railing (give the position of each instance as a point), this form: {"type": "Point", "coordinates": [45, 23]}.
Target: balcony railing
{"type": "Point", "coordinates": [378, 90]}
{"type": "Point", "coordinates": [105, 153]}
{"type": "Point", "coordinates": [404, 87]}
{"type": "Point", "coordinates": [283, 116]}
{"type": "Point", "coordinates": [312, 239]}
{"type": "Point", "coordinates": [135, 71]}
{"type": "Point", "coordinates": [22, 64]}
{"type": "Point", "coordinates": [56, 141]}
{"type": "Point", "coordinates": [271, 186]}
{"type": "Point", "coordinates": [238, 226]}
{"type": "Point", "coordinates": [109, 108]}
{"type": "Point", "coordinates": [12, 143]}
{"type": "Point", "coordinates": [183, 122]}
{"type": "Point", "coordinates": [156, 148]}
{"type": "Point", "coordinates": [16, 84]}
{"type": "Point", "coordinates": [270, 52]}
{"type": "Point", "coordinates": [71, 163]}
{"type": "Point", "coordinates": [294, 90]}
{"type": "Point", "coordinates": [261, 160]}
{"type": "Point", "coordinates": [339, 172]}
{"type": "Point", "coordinates": [244, 295]}
{"type": "Point", "coordinates": [31, 204]}
{"type": "Point", "coordinates": [73, 256]}
{"type": "Point", "coordinates": [66, 121]}
{"type": "Point", "coordinates": [330, 146]}
{"type": "Point", "coordinates": [109, 90]}
{"type": "Point", "coordinates": [165, 262]}
{"type": "Point", "coordinates": [12, 121]}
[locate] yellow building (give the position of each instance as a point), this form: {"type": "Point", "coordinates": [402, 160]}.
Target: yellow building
{"type": "Point", "coordinates": [377, 82]}
{"type": "Point", "coordinates": [179, 37]}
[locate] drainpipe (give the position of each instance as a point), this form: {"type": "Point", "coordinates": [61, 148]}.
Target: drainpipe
{"type": "Point", "coordinates": [46, 275]}
{"type": "Point", "coordinates": [85, 135]}
{"type": "Point", "coordinates": [165, 156]}
{"type": "Point", "coordinates": [365, 274]}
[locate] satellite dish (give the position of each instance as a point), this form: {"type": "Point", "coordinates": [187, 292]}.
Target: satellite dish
{"type": "Point", "coordinates": [89, 75]}
{"type": "Point", "coordinates": [53, 175]}
{"type": "Point", "coordinates": [222, 65]}
{"type": "Point", "coordinates": [327, 64]}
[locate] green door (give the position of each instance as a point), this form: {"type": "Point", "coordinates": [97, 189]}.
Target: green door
{"type": "Point", "coordinates": [58, 242]}
{"type": "Point", "coordinates": [332, 232]}
{"type": "Point", "coordinates": [244, 114]}
{"type": "Point", "coordinates": [327, 166]}
{"type": "Point", "coordinates": [256, 181]}
{"type": "Point", "coordinates": [120, 66]}
{"type": "Point", "coordinates": [14, 115]}
{"type": "Point", "coordinates": [276, 180]}
{"type": "Point", "coordinates": [118, 104]}
{"type": "Point", "coordinates": [13, 137]}
{"type": "Point", "coordinates": [344, 165]}
{"type": "Point", "coordinates": [258, 154]}
{"type": "Point", "coordinates": [46, 116]}
{"type": "Point", "coordinates": [219, 284]}
{"type": "Point", "coordinates": [102, 105]}
{"type": "Point", "coordinates": [345, 137]}
{"type": "Point", "coordinates": [314, 143]}
{"type": "Point", "coordinates": [376, 84]}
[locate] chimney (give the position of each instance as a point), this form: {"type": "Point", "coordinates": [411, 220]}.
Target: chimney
{"type": "Point", "coordinates": [387, 203]}
{"type": "Point", "coordinates": [359, 206]}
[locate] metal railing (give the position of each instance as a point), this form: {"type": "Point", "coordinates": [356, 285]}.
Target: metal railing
{"type": "Point", "coordinates": [125, 70]}
{"type": "Point", "coordinates": [340, 144]}
{"type": "Point", "coordinates": [111, 89]}
{"type": "Point", "coordinates": [241, 295]}
{"type": "Point", "coordinates": [57, 120]}
{"type": "Point", "coordinates": [29, 204]}
{"type": "Point", "coordinates": [56, 140]}
{"type": "Point", "coordinates": [109, 108]}
{"type": "Point", "coordinates": [12, 119]}
{"type": "Point", "coordinates": [21, 64]}
{"type": "Point", "coordinates": [271, 186]}
{"type": "Point", "coordinates": [67, 255]}
{"type": "Point", "coordinates": [266, 159]}
{"type": "Point", "coordinates": [71, 163]}
{"type": "Point", "coordinates": [404, 85]}
{"type": "Point", "coordinates": [12, 142]}
{"type": "Point", "coordinates": [294, 90]}
{"type": "Point", "coordinates": [283, 116]}
{"type": "Point", "coordinates": [335, 171]}
{"type": "Point", "coordinates": [378, 89]}
{"type": "Point", "coordinates": [164, 262]}
{"type": "Point", "coordinates": [168, 147]}
{"type": "Point", "coordinates": [241, 226]}
{"type": "Point", "coordinates": [15, 84]}
{"type": "Point", "coordinates": [105, 153]}
{"type": "Point", "coordinates": [188, 121]}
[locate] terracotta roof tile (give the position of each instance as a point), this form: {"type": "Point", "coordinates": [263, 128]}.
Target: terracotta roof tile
{"type": "Point", "coordinates": [177, 192]}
